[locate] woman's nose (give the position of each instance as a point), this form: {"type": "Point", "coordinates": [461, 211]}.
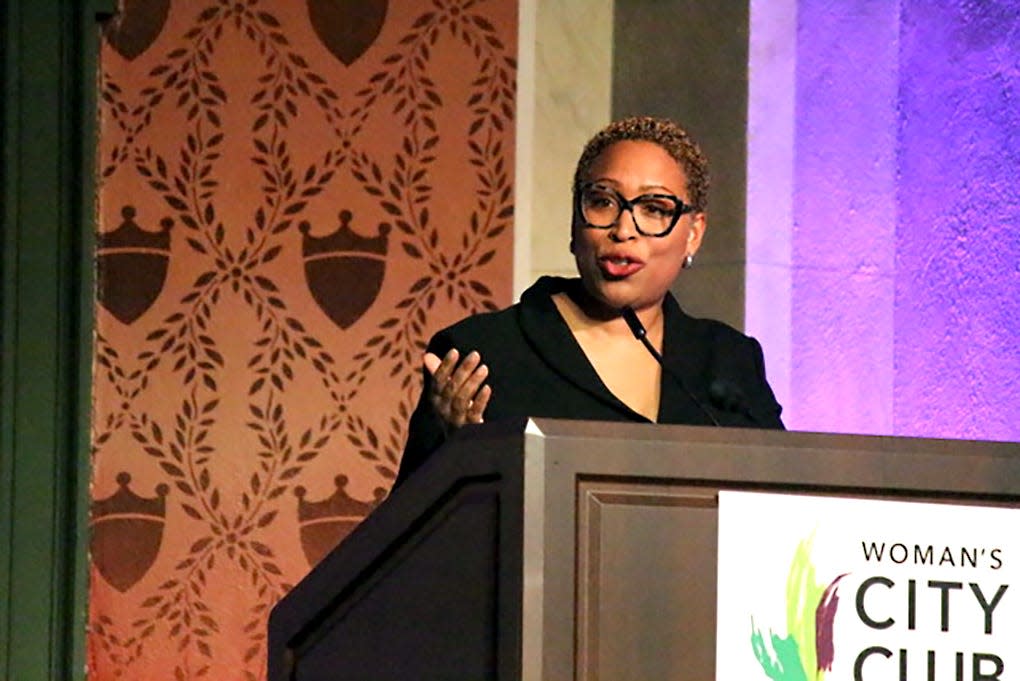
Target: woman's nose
{"type": "Point", "coordinates": [625, 228]}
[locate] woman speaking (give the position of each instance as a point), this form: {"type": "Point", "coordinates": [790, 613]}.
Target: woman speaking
{"type": "Point", "coordinates": [613, 344]}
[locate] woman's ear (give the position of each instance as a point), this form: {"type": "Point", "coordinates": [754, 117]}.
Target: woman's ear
{"type": "Point", "coordinates": [696, 233]}
{"type": "Point", "coordinates": [574, 226]}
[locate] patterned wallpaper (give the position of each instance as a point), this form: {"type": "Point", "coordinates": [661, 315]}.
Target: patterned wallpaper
{"type": "Point", "coordinates": [294, 196]}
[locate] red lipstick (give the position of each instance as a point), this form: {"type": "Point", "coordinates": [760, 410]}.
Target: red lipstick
{"type": "Point", "coordinates": [619, 266]}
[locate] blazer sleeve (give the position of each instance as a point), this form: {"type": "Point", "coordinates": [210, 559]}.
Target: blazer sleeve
{"type": "Point", "coordinates": [764, 406]}
{"type": "Point", "coordinates": [425, 431]}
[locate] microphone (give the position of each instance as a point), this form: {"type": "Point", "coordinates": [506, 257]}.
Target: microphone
{"type": "Point", "coordinates": [638, 329]}
{"type": "Point", "coordinates": [728, 396]}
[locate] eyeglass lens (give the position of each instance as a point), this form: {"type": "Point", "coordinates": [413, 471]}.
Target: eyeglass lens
{"type": "Point", "coordinates": [653, 214]}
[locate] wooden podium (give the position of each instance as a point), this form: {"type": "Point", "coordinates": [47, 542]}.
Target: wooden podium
{"type": "Point", "coordinates": [561, 550]}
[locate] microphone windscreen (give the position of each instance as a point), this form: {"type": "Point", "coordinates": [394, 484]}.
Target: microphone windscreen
{"type": "Point", "coordinates": [727, 395]}
{"type": "Point", "coordinates": [636, 327]}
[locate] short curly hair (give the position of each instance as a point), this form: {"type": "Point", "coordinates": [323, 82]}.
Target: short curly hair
{"type": "Point", "coordinates": [662, 131]}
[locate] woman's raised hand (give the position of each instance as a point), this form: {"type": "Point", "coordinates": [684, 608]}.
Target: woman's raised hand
{"type": "Point", "coordinates": [459, 393]}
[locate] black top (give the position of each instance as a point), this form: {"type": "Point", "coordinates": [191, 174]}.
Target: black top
{"type": "Point", "coordinates": [712, 374]}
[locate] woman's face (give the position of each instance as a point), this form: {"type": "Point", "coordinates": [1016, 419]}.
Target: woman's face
{"type": "Point", "coordinates": [619, 266]}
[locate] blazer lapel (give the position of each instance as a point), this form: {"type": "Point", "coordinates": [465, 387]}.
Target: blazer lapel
{"type": "Point", "coordinates": [552, 340]}
{"type": "Point", "coordinates": [684, 358]}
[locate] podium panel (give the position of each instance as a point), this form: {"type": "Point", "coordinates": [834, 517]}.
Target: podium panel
{"type": "Point", "coordinates": [579, 550]}
{"type": "Point", "coordinates": [646, 580]}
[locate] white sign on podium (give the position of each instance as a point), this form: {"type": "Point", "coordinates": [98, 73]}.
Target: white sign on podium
{"type": "Point", "coordinates": [814, 587]}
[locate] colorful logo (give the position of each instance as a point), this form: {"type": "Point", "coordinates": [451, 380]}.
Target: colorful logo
{"type": "Point", "coordinates": [807, 652]}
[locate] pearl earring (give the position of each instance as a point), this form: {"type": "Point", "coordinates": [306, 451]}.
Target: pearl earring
{"type": "Point", "coordinates": [688, 261]}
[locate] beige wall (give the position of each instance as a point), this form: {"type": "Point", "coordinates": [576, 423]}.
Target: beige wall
{"type": "Point", "coordinates": [564, 96]}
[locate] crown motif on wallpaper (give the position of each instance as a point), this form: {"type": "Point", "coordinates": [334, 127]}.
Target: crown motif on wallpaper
{"type": "Point", "coordinates": [130, 236]}
{"type": "Point", "coordinates": [124, 502]}
{"type": "Point", "coordinates": [127, 531]}
{"type": "Point", "coordinates": [344, 270]}
{"type": "Point", "coordinates": [343, 240]}
{"type": "Point", "coordinates": [132, 265]}
{"type": "Point", "coordinates": [347, 27]}
{"type": "Point", "coordinates": [340, 505]}
{"type": "Point", "coordinates": [324, 524]}
{"type": "Point", "coordinates": [136, 26]}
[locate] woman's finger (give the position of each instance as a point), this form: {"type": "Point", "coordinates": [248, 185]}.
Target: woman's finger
{"type": "Point", "coordinates": [473, 382]}
{"type": "Point", "coordinates": [481, 400]}
{"type": "Point", "coordinates": [441, 387]}
{"type": "Point", "coordinates": [445, 368]}
{"type": "Point", "coordinates": [465, 396]}
{"type": "Point", "coordinates": [461, 374]}
{"type": "Point", "coordinates": [432, 362]}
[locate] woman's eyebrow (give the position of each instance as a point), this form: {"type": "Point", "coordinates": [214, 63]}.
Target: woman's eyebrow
{"type": "Point", "coordinates": [644, 189]}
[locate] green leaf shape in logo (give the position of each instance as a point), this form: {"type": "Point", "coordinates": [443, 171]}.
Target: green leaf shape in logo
{"type": "Point", "coordinates": [787, 664]}
{"type": "Point", "coordinates": [806, 652]}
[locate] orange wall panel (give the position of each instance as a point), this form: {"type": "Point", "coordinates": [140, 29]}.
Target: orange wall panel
{"type": "Point", "coordinates": [294, 196]}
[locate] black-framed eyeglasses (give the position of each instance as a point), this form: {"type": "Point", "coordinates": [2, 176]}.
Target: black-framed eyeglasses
{"type": "Point", "coordinates": [601, 207]}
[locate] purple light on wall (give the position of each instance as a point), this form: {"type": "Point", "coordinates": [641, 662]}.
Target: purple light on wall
{"type": "Point", "coordinates": [903, 231]}
{"type": "Point", "coordinates": [958, 240]}
{"type": "Point", "coordinates": [844, 231]}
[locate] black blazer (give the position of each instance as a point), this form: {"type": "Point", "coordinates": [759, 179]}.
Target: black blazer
{"type": "Point", "coordinates": [712, 375]}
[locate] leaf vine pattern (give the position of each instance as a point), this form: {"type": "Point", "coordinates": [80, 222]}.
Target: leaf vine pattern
{"type": "Point", "coordinates": [239, 126]}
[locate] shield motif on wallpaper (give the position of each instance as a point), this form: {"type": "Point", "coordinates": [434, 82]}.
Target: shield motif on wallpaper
{"type": "Point", "coordinates": [347, 27]}
{"type": "Point", "coordinates": [127, 531]}
{"type": "Point", "coordinates": [133, 30]}
{"type": "Point", "coordinates": [344, 271]}
{"type": "Point", "coordinates": [324, 524]}
{"type": "Point", "coordinates": [131, 265]}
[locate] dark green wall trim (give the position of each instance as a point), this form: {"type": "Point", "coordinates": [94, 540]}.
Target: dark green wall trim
{"type": "Point", "coordinates": [47, 126]}
{"type": "Point", "coordinates": [688, 60]}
